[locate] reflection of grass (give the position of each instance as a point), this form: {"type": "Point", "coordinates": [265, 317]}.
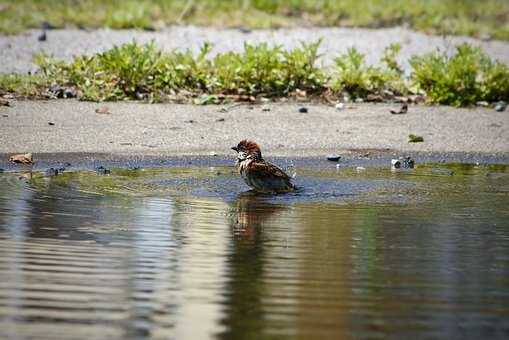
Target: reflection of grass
{"type": "Point", "coordinates": [134, 71]}
{"type": "Point", "coordinates": [489, 17]}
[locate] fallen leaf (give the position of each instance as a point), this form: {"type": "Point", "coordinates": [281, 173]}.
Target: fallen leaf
{"type": "Point", "coordinates": [415, 139]}
{"type": "Point", "coordinates": [103, 110]}
{"type": "Point", "coordinates": [22, 158]}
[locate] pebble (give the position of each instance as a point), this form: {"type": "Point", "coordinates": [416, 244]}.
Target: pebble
{"type": "Point", "coordinates": [42, 36]}
{"type": "Point", "coordinates": [51, 123]}
{"type": "Point", "coordinates": [403, 162]}
{"type": "Point", "coordinates": [102, 170]}
{"type": "Point", "coordinates": [212, 153]}
{"type": "Point", "coordinates": [51, 172]}
{"type": "Point", "coordinates": [396, 163]}
{"type": "Point", "coordinates": [340, 106]}
{"type": "Point", "coordinates": [333, 158]}
{"type": "Point", "coordinates": [303, 109]}
{"type": "Point", "coordinates": [500, 106]}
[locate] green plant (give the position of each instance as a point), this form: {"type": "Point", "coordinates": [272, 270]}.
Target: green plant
{"type": "Point", "coordinates": [462, 79]}
{"type": "Point", "coordinates": [359, 80]}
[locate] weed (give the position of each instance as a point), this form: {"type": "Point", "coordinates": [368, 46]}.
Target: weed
{"type": "Point", "coordinates": [144, 72]}
{"type": "Point", "coordinates": [463, 79]}
{"type": "Point", "coordinates": [358, 79]}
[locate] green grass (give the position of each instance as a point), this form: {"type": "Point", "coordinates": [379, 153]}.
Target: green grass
{"type": "Point", "coordinates": [360, 80]}
{"type": "Point", "coordinates": [466, 17]}
{"type": "Point", "coordinates": [144, 72]}
{"type": "Point", "coordinates": [463, 79]}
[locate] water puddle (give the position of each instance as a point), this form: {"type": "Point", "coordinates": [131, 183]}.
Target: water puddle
{"type": "Point", "coordinates": [190, 253]}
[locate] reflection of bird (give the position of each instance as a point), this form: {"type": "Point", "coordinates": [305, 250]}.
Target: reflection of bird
{"type": "Point", "coordinates": [251, 211]}
{"type": "Point", "coordinates": [259, 174]}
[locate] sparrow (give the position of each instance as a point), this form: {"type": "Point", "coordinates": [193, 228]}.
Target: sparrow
{"type": "Point", "coordinates": [259, 174]}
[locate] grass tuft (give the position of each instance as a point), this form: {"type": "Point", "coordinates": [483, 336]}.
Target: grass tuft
{"type": "Point", "coordinates": [475, 18]}
{"type": "Point", "coordinates": [145, 72]}
{"type": "Point", "coordinates": [359, 80]}
{"type": "Point", "coordinates": [463, 79]}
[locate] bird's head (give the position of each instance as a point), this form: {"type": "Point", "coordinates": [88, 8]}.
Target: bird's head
{"type": "Point", "coordinates": [247, 149]}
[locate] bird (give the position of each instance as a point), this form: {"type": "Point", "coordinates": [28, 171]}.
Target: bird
{"type": "Point", "coordinates": [260, 175]}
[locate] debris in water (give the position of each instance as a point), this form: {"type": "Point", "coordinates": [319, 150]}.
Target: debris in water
{"type": "Point", "coordinates": [395, 163]}
{"type": "Point", "coordinates": [51, 123]}
{"type": "Point", "coordinates": [333, 158]}
{"type": "Point", "coordinates": [220, 120]}
{"type": "Point", "coordinates": [102, 170]}
{"type": "Point", "coordinates": [303, 109]}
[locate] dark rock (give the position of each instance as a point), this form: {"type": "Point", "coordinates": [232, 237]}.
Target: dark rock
{"type": "Point", "coordinates": [303, 109]}
{"type": "Point", "coordinates": [42, 36]}
{"type": "Point", "coordinates": [396, 163]}
{"type": "Point", "coordinates": [500, 106]}
{"type": "Point", "coordinates": [1, 170]}
{"type": "Point", "coordinates": [245, 30]}
{"type": "Point", "coordinates": [220, 120]}
{"type": "Point", "coordinates": [190, 121]}
{"type": "Point", "coordinates": [402, 110]}
{"type": "Point", "coordinates": [333, 158]}
{"type": "Point", "coordinates": [102, 170]}
{"type": "Point", "coordinates": [51, 123]}
{"type": "Point", "coordinates": [61, 92]}
{"type": "Point", "coordinates": [408, 162]}
{"type": "Point", "coordinates": [51, 172]}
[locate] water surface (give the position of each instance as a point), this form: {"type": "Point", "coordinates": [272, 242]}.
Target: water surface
{"type": "Point", "coordinates": [189, 254]}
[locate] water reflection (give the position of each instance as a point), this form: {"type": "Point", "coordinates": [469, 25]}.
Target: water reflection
{"type": "Point", "coordinates": [79, 262]}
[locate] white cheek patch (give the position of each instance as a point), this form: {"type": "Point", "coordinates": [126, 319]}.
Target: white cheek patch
{"type": "Point", "coordinates": [241, 155]}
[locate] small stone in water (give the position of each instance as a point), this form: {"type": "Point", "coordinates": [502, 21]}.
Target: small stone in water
{"type": "Point", "coordinates": [51, 172]}
{"type": "Point", "coordinates": [500, 106]}
{"type": "Point", "coordinates": [51, 123]}
{"type": "Point", "coordinates": [102, 170]}
{"type": "Point", "coordinates": [396, 163]}
{"type": "Point", "coordinates": [408, 162]}
{"type": "Point", "coordinates": [340, 106]}
{"type": "Point", "coordinates": [212, 153]}
{"type": "Point", "coordinates": [333, 158]}
{"type": "Point", "coordinates": [303, 109]}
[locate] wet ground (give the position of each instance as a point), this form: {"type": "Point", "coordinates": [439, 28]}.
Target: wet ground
{"type": "Point", "coordinates": [178, 248]}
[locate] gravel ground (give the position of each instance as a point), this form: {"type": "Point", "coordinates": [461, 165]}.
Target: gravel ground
{"type": "Point", "coordinates": [16, 52]}
{"type": "Point", "coordinates": [171, 129]}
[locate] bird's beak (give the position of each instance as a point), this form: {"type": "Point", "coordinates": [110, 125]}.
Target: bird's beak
{"type": "Point", "coordinates": [234, 148]}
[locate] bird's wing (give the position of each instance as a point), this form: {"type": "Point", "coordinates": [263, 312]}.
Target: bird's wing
{"type": "Point", "coordinates": [268, 170]}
